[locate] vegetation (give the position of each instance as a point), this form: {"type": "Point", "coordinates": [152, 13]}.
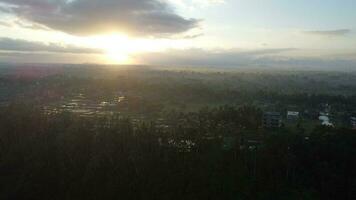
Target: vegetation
{"type": "Point", "coordinates": [67, 157]}
{"type": "Point", "coordinates": [93, 132]}
{"type": "Point", "coordinates": [154, 91]}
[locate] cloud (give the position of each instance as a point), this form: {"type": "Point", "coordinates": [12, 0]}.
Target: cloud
{"type": "Point", "coordinates": [45, 57]}
{"type": "Point", "coordinates": [265, 59]}
{"type": "Point", "coordinates": [22, 24]}
{"type": "Point", "coordinates": [330, 33]}
{"type": "Point", "coordinates": [8, 44]}
{"type": "Point", "coordinates": [2, 23]}
{"type": "Point", "coordinates": [189, 36]}
{"type": "Point", "coordinates": [29, 25]}
{"type": "Point", "coordinates": [193, 36]}
{"type": "Point", "coordinates": [209, 1]}
{"type": "Point", "coordinates": [90, 17]}
{"type": "Point", "coordinates": [192, 4]}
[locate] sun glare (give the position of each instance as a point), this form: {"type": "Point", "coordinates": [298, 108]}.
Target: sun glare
{"type": "Point", "coordinates": [116, 47]}
{"type": "Point", "coordinates": [115, 57]}
{"type": "Point", "coordinates": [120, 49]}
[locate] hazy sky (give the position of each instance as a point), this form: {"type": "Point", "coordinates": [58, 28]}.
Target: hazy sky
{"type": "Point", "coordinates": [178, 32]}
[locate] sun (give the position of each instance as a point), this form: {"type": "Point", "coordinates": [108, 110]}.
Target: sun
{"type": "Point", "coordinates": [117, 57]}
{"type": "Point", "coordinates": [116, 48]}
{"type": "Point", "coordinates": [122, 49]}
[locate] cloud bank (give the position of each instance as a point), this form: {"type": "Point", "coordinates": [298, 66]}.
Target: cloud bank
{"type": "Point", "coordinates": [246, 59]}
{"type": "Point", "coordinates": [209, 58]}
{"type": "Point", "coordinates": [90, 17]}
{"type": "Point", "coordinates": [265, 59]}
{"type": "Point", "coordinates": [330, 33]}
{"type": "Point", "coordinates": [8, 44]}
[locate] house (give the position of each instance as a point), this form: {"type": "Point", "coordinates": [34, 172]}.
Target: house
{"type": "Point", "coordinates": [272, 120]}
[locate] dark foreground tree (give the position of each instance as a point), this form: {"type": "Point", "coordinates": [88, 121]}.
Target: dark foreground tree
{"type": "Point", "coordinates": [67, 157]}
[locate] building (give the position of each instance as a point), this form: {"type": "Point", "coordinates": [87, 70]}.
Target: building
{"type": "Point", "coordinates": [292, 116]}
{"type": "Point", "coordinates": [325, 120]}
{"type": "Point", "coordinates": [353, 122]}
{"type": "Point", "coordinates": [272, 120]}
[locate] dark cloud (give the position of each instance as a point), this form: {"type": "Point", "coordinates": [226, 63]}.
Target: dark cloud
{"type": "Point", "coordinates": [8, 44]}
{"type": "Point", "coordinates": [330, 33]}
{"type": "Point", "coordinates": [87, 17]}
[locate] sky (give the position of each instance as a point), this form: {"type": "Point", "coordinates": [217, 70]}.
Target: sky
{"type": "Point", "coordinates": [179, 32]}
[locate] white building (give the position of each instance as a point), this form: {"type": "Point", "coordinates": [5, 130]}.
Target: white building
{"type": "Point", "coordinates": [353, 122]}
{"type": "Point", "coordinates": [325, 121]}
{"type": "Point", "coordinates": [292, 116]}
